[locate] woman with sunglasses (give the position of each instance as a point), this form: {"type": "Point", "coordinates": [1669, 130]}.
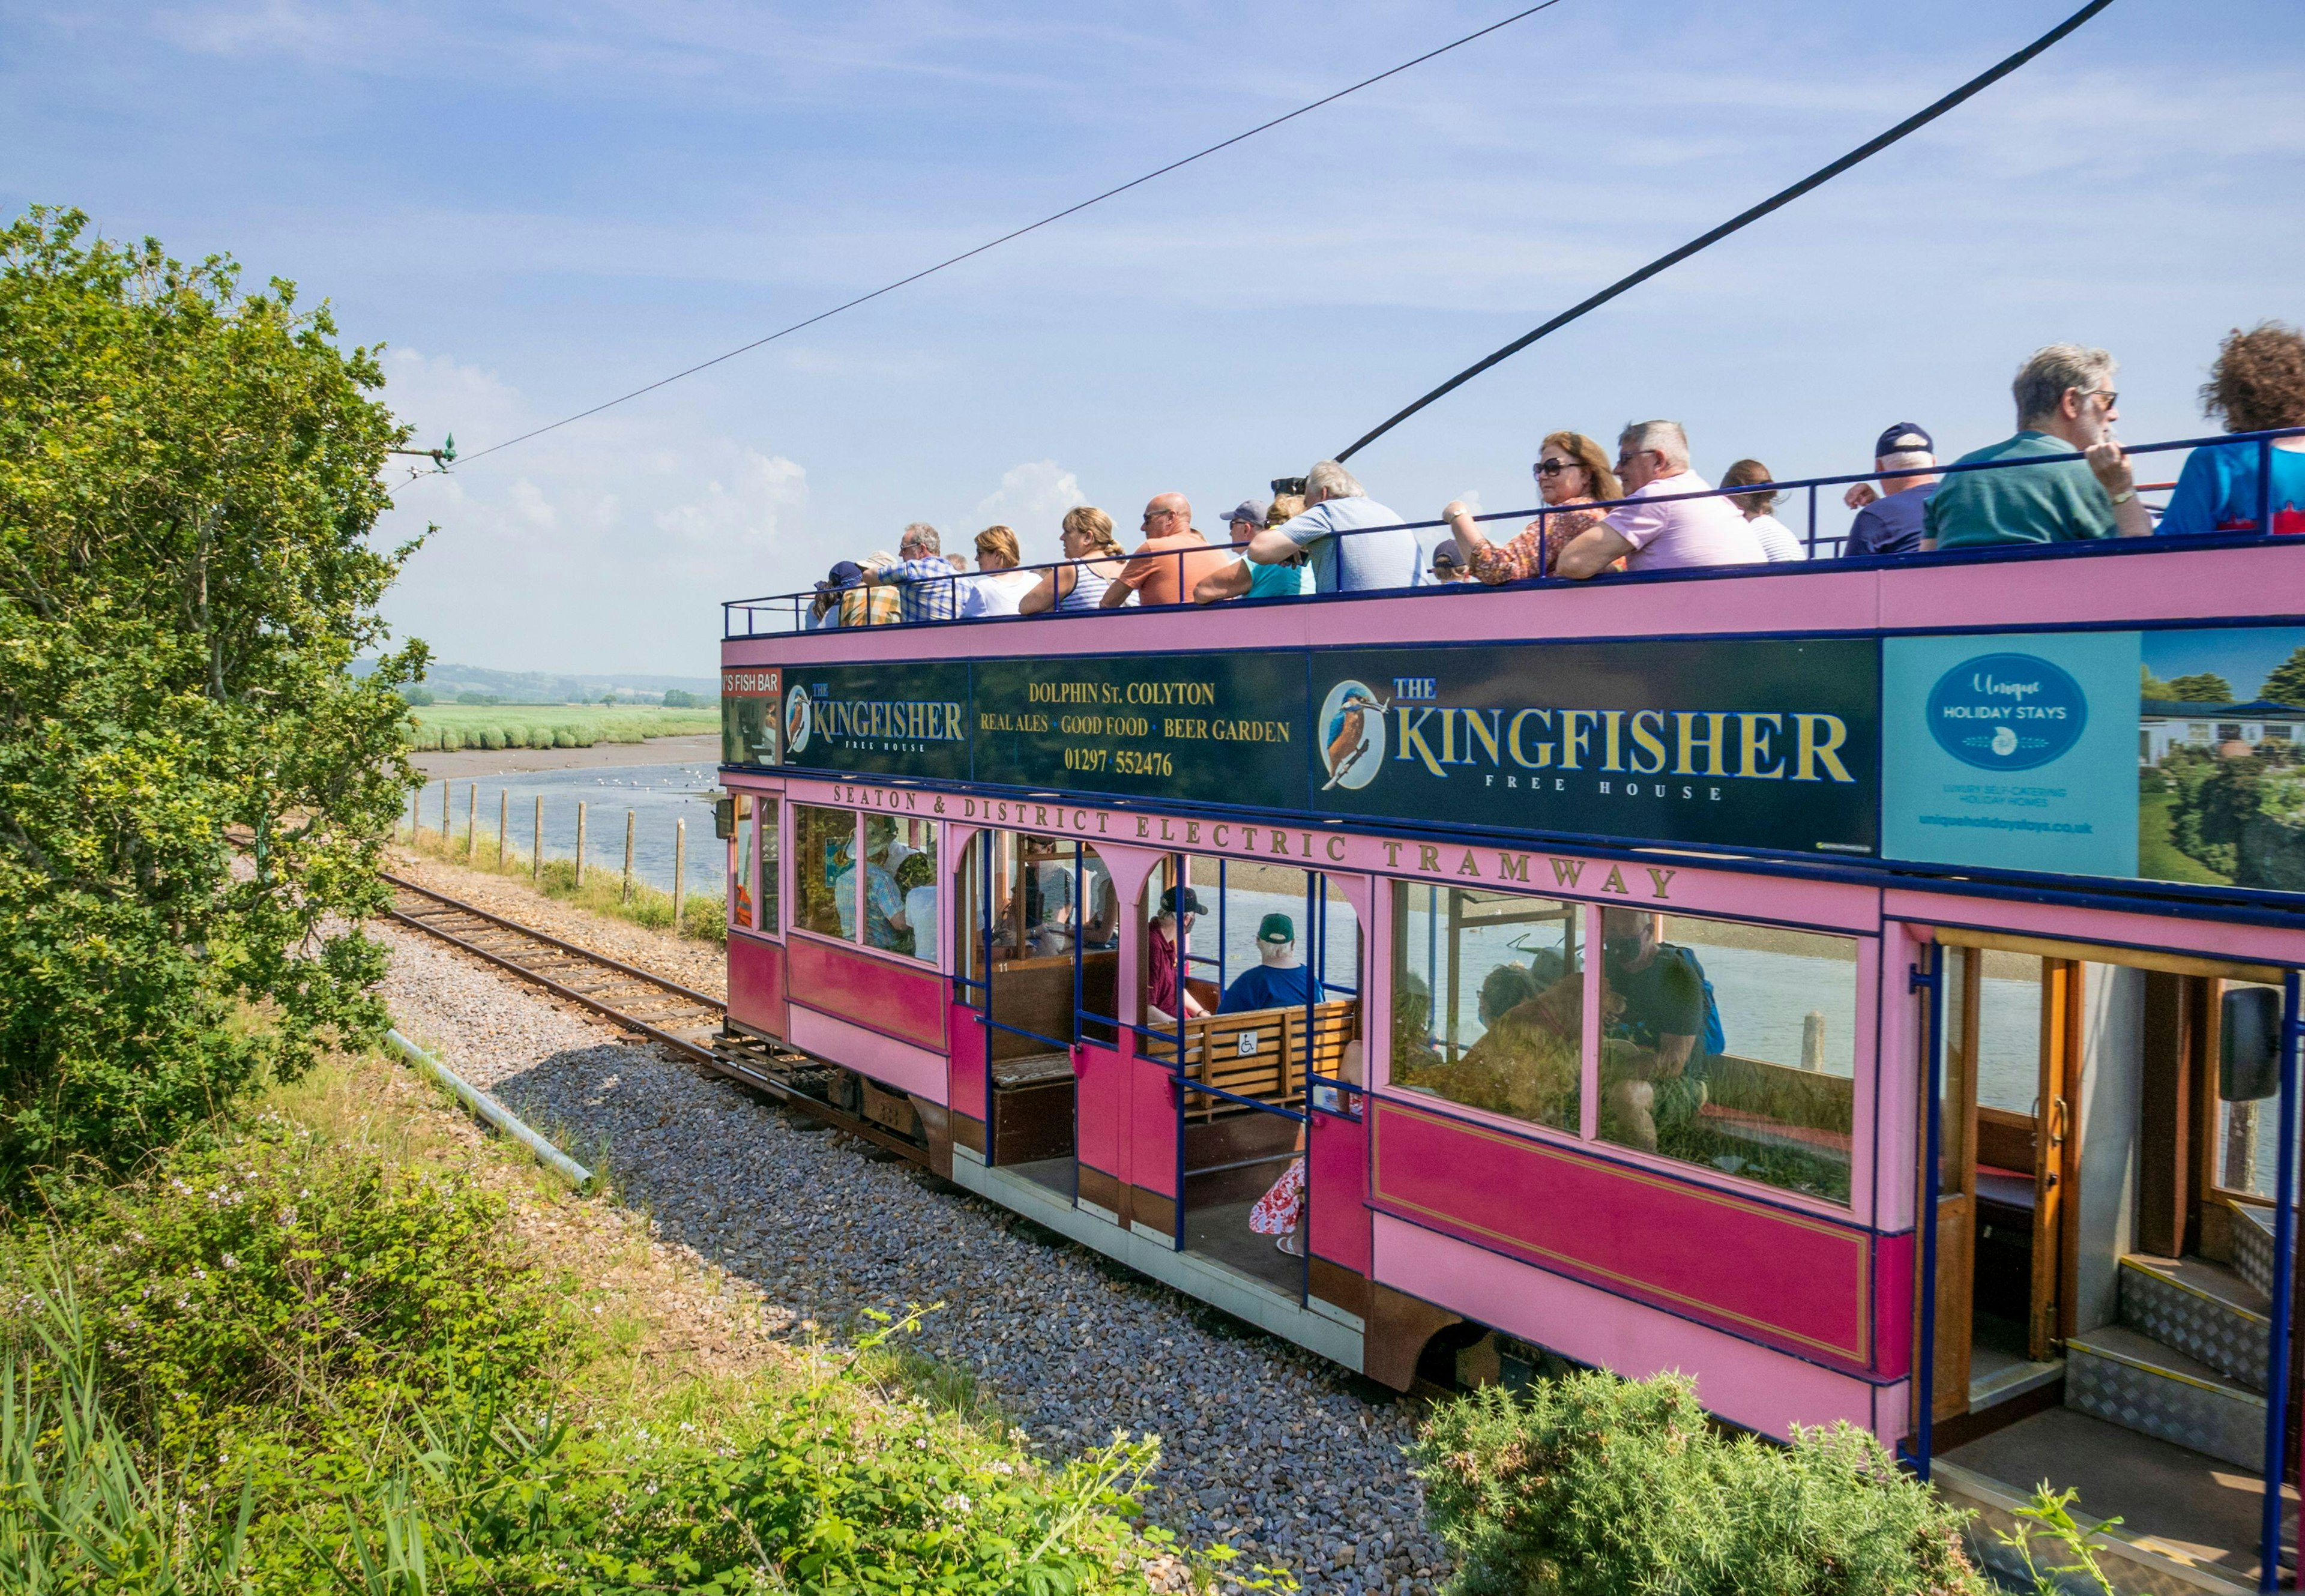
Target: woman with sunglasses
{"type": "Point", "coordinates": [1093, 559]}
{"type": "Point", "coordinates": [1571, 470]}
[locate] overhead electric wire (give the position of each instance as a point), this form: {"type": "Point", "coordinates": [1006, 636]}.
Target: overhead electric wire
{"type": "Point", "coordinates": [1019, 233]}
{"type": "Point", "coordinates": [1823, 174]}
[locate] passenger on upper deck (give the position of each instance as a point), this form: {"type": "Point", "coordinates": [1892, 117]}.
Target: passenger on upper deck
{"type": "Point", "coordinates": [1163, 990]}
{"type": "Point", "coordinates": [1777, 539]}
{"type": "Point", "coordinates": [1890, 517]}
{"type": "Point", "coordinates": [1095, 560]}
{"type": "Point", "coordinates": [1171, 562]}
{"type": "Point", "coordinates": [1344, 558]}
{"type": "Point", "coordinates": [1653, 460]}
{"type": "Point", "coordinates": [1444, 569]}
{"type": "Point", "coordinates": [927, 585]}
{"type": "Point", "coordinates": [1571, 470]}
{"type": "Point", "coordinates": [1001, 587]}
{"type": "Point", "coordinates": [1279, 980]}
{"type": "Point", "coordinates": [1243, 575]}
{"type": "Point", "coordinates": [2256, 384]}
{"type": "Point", "coordinates": [864, 603]}
{"type": "Point", "coordinates": [2065, 401]}
{"type": "Point", "coordinates": [1659, 1013]}
{"type": "Point", "coordinates": [824, 609]}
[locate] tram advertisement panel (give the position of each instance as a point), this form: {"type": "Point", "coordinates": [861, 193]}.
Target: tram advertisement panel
{"type": "Point", "coordinates": [751, 715]}
{"type": "Point", "coordinates": [2175, 755]}
{"type": "Point", "coordinates": [1755, 742]}
{"type": "Point", "coordinates": [1224, 728]}
{"type": "Point", "coordinates": [878, 719]}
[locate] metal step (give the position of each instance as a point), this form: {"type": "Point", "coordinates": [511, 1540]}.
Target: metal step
{"type": "Point", "coordinates": [2126, 1379]}
{"type": "Point", "coordinates": [2252, 1243]}
{"type": "Point", "coordinates": [2201, 1308]}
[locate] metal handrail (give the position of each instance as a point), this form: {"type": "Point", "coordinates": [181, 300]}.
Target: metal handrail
{"type": "Point", "coordinates": [795, 603]}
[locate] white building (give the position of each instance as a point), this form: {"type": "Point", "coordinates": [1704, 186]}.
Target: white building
{"type": "Point", "coordinates": [2164, 723]}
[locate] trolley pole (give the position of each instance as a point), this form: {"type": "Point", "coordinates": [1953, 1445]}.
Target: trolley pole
{"type": "Point", "coordinates": [625, 897]}
{"type": "Point", "coordinates": [580, 842]}
{"type": "Point", "coordinates": [504, 824]}
{"type": "Point", "coordinates": [679, 870]}
{"type": "Point", "coordinates": [536, 848]}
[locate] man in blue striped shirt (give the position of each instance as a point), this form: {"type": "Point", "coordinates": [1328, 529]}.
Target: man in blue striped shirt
{"type": "Point", "coordinates": [927, 589]}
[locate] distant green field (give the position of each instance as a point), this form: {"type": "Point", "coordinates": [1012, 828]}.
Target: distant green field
{"type": "Point", "coordinates": [451, 726]}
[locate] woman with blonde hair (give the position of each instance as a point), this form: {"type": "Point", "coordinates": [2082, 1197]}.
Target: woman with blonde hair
{"type": "Point", "coordinates": [1777, 539]}
{"type": "Point", "coordinates": [1572, 471]}
{"type": "Point", "coordinates": [1093, 559]}
{"type": "Point", "coordinates": [1001, 587]}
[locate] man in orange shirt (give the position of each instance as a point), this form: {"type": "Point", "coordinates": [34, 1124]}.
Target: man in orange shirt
{"type": "Point", "coordinates": [1171, 560]}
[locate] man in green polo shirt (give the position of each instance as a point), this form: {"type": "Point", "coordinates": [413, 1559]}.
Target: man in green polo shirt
{"type": "Point", "coordinates": [2065, 405]}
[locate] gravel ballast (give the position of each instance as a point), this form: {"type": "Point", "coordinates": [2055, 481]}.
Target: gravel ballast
{"type": "Point", "coordinates": [1288, 1458]}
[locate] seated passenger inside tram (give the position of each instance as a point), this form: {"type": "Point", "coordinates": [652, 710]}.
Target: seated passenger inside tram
{"type": "Point", "coordinates": [885, 924]}
{"type": "Point", "coordinates": [1279, 979]}
{"type": "Point", "coordinates": [1180, 906]}
{"type": "Point", "coordinates": [1528, 1057]}
{"type": "Point", "coordinates": [1657, 1019]}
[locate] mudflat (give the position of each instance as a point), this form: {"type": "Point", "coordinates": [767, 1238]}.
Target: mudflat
{"type": "Point", "coordinates": [703, 748]}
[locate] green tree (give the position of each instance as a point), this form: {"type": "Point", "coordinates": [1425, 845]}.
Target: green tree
{"type": "Point", "coordinates": [2152, 686]}
{"type": "Point", "coordinates": [2202, 687]}
{"type": "Point", "coordinates": [194, 787]}
{"type": "Point", "coordinates": [2287, 685]}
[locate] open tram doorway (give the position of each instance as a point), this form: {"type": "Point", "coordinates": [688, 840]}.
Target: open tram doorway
{"type": "Point", "coordinates": [1038, 925]}
{"type": "Point", "coordinates": [2108, 1131]}
{"type": "Point", "coordinates": [1252, 980]}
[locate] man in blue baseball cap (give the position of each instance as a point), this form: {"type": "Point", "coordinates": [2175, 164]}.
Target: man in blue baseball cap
{"type": "Point", "coordinates": [1279, 980]}
{"type": "Point", "coordinates": [1890, 519]}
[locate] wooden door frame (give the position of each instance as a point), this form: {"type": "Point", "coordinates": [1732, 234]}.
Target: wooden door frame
{"type": "Point", "coordinates": [1956, 1257]}
{"type": "Point", "coordinates": [2056, 1175]}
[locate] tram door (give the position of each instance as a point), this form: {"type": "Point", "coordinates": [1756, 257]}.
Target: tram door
{"type": "Point", "coordinates": [2007, 1167]}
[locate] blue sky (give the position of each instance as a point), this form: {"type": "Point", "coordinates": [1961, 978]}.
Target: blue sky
{"type": "Point", "coordinates": [2244, 655]}
{"type": "Point", "coordinates": [538, 207]}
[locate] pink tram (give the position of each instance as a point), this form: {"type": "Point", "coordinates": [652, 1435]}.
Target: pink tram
{"type": "Point", "coordinates": [1870, 986]}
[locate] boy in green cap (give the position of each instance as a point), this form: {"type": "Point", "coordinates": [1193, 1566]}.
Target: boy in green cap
{"type": "Point", "coordinates": [1279, 980]}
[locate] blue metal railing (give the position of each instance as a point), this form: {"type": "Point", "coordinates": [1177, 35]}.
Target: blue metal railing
{"type": "Point", "coordinates": [789, 612]}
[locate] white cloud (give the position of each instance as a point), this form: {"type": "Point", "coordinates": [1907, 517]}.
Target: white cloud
{"type": "Point", "coordinates": [1032, 497]}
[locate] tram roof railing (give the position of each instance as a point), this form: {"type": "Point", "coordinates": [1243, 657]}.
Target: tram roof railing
{"type": "Point", "coordinates": [741, 617]}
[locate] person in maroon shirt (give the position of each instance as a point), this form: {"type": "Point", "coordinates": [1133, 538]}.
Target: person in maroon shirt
{"type": "Point", "coordinates": [1179, 907]}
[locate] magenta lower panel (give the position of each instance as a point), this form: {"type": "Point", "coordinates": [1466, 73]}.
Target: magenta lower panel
{"type": "Point", "coordinates": [756, 983]}
{"type": "Point", "coordinates": [1744, 1383]}
{"type": "Point", "coordinates": [1337, 1225]}
{"type": "Point", "coordinates": [898, 999]}
{"type": "Point", "coordinates": [899, 1066]}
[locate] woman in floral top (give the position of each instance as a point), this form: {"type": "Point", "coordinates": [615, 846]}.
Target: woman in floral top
{"type": "Point", "coordinates": [1571, 470]}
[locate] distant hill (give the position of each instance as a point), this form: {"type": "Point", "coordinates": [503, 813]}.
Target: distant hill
{"type": "Point", "coordinates": [444, 681]}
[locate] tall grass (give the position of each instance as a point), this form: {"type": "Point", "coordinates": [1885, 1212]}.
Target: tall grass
{"type": "Point", "coordinates": [446, 728]}
{"type": "Point", "coordinates": [702, 915]}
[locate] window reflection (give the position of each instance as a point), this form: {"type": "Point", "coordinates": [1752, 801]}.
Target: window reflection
{"type": "Point", "coordinates": [1731, 1045]}
{"type": "Point", "coordinates": [1488, 1001]}
{"type": "Point", "coordinates": [823, 869]}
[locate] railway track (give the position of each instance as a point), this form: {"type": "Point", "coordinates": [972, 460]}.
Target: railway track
{"type": "Point", "coordinates": [691, 1024]}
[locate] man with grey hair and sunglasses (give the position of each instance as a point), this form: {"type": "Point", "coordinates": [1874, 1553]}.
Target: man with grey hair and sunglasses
{"type": "Point", "coordinates": [1653, 462]}
{"type": "Point", "coordinates": [1353, 544]}
{"type": "Point", "coordinates": [2066, 404]}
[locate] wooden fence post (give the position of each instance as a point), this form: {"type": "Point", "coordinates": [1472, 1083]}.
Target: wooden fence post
{"type": "Point", "coordinates": [471, 815]}
{"type": "Point", "coordinates": [680, 870]}
{"type": "Point", "coordinates": [580, 842]}
{"type": "Point", "coordinates": [444, 821]}
{"type": "Point", "coordinates": [415, 812]}
{"type": "Point", "coordinates": [503, 823]}
{"type": "Point", "coordinates": [536, 848]}
{"type": "Point", "coordinates": [625, 897]}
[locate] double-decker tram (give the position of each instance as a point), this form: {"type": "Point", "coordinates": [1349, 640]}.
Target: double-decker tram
{"type": "Point", "coordinates": [1867, 986]}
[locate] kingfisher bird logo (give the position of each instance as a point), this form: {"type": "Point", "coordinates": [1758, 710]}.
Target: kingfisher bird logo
{"type": "Point", "coordinates": [799, 721]}
{"type": "Point", "coordinates": [2007, 711]}
{"type": "Point", "coordinates": [1352, 735]}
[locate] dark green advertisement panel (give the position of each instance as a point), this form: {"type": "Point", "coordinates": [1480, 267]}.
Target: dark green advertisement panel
{"type": "Point", "coordinates": [1749, 742]}
{"type": "Point", "coordinates": [878, 719]}
{"type": "Point", "coordinates": [1212, 728]}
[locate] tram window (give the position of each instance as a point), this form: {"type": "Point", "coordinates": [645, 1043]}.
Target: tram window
{"type": "Point", "coordinates": [2248, 1146]}
{"type": "Point", "coordinates": [825, 841]}
{"type": "Point", "coordinates": [1488, 997]}
{"type": "Point", "coordinates": [740, 862]}
{"type": "Point", "coordinates": [1731, 1045]}
{"type": "Point", "coordinates": [768, 919]}
{"type": "Point", "coordinates": [911, 863]}
{"type": "Point", "coordinates": [1021, 936]}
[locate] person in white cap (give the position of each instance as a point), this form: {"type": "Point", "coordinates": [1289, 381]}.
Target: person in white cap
{"type": "Point", "coordinates": [1891, 518]}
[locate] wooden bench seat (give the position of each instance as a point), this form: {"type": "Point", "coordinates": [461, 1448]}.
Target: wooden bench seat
{"type": "Point", "coordinates": [1258, 1054]}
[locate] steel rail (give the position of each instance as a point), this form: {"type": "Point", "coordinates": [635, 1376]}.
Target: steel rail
{"type": "Point", "coordinates": [729, 1063]}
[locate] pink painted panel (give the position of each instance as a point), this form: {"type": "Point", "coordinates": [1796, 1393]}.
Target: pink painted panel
{"type": "Point", "coordinates": [2170, 584]}
{"type": "Point", "coordinates": [1748, 1385]}
{"type": "Point", "coordinates": [967, 1072]}
{"type": "Point", "coordinates": [882, 995]}
{"type": "Point", "coordinates": [2251, 944]}
{"type": "Point", "coordinates": [1337, 1165]}
{"type": "Point", "coordinates": [1800, 1281]}
{"type": "Point", "coordinates": [1100, 1109]}
{"type": "Point", "coordinates": [756, 983]}
{"type": "Point", "coordinates": [1152, 1127]}
{"type": "Point", "coordinates": [892, 1063]}
{"type": "Point", "coordinates": [1892, 1304]}
{"type": "Point", "coordinates": [1897, 1085]}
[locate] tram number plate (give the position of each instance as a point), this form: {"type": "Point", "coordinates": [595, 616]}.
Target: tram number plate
{"type": "Point", "coordinates": [1247, 1044]}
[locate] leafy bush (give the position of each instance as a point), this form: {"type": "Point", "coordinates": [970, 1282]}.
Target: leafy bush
{"type": "Point", "coordinates": [1595, 1486]}
{"type": "Point", "coordinates": [188, 484]}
